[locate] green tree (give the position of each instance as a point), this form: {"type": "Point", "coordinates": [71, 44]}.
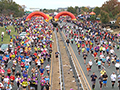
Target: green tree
{"type": "Point", "coordinates": [92, 18]}
{"type": "Point", "coordinates": [85, 9]}
{"type": "Point", "coordinates": [104, 17]}
{"type": "Point", "coordinates": [97, 10]}
{"type": "Point", "coordinates": [8, 7]}
{"type": "Point", "coordinates": [71, 9]}
{"type": "Point", "coordinates": [90, 10]}
{"type": "Point", "coordinates": [110, 15]}
{"type": "Point", "coordinates": [76, 9]}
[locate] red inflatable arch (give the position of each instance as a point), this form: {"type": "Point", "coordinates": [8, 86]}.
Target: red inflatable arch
{"type": "Point", "coordinates": [65, 13]}
{"type": "Point", "coordinates": [37, 14]}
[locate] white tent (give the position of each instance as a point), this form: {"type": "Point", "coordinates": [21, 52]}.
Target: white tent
{"type": "Point", "coordinates": [55, 13]}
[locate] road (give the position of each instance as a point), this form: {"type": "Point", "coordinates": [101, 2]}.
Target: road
{"type": "Point", "coordinates": [94, 67]}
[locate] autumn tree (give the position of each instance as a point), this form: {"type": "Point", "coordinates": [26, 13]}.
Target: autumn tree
{"type": "Point", "coordinates": [118, 20]}
{"type": "Point", "coordinates": [111, 6]}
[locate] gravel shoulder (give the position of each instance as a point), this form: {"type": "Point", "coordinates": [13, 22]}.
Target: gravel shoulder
{"type": "Point", "coordinates": [55, 76]}
{"type": "Point", "coordinates": [68, 74]}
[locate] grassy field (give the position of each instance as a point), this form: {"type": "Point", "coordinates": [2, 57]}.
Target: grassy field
{"type": "Point", "coordinates": [6, 37]}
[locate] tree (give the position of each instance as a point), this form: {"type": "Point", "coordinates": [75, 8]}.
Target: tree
{"type": "Point", "coordinates": [118, 20]}
{"type": "Point", "coordinates": [8, 7]}
{"type": "Point", "coordinates": [97, 10]}
{"type": "Point", "coordinates": [104, 17]}
{"type": "Point", "coordinates": [110, 15]}
{"type": "Point", "coordinates": [71, 9]}
{"type": "Point", "coordinates": [76, 9]}
{"type": "Point", "coordinates": [112, 6]}
{"type": "Point", "coordinates": [85, 9]}
{"type": "Point", "coordinates": [90, 10]}
{"type": "Point", "coordinates": [92, 18]}
{"type": "Point", "coordinates": [23, 6]}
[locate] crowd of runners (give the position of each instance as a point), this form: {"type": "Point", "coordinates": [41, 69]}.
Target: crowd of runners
{"type": "Point", "coordinates": [90, 39]}
{"type": "Point", "coordinates": [26, 62]}
{"type": "Point", "coordinates": [31, 54]}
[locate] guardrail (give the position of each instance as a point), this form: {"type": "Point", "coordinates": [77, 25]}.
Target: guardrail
{"type": "Point", "coordinates": [62, 84]}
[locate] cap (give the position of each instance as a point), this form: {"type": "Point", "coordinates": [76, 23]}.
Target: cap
{"type": "Point", "coordinates": [113, 72]}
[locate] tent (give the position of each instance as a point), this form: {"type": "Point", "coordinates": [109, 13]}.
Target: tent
{"type": "Point", "coordinates": [97, 18]}
{"type": "Point", "coordinates": [4, 46]}
{"type": "Point", "coordinates": [92, 13]}
{"type": "Point", "coordinates": [23, 34]}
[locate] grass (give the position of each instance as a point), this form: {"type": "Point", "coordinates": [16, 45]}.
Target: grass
{"type": "Point", "coordinates": [6, 37]}
{"type": "Point", "coordinates": [80, 20]}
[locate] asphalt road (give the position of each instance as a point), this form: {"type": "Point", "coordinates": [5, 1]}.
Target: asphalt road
{"type": "Point", "coordinates": [109, 70]}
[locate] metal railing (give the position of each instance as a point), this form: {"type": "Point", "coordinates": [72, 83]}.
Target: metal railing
{"type": "Point", "coordinates": [75, 72]}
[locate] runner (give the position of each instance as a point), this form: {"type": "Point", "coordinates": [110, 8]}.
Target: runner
{"type": "Point", "coordinates": [113, 79]}
{"type": "Point", "coordinates": [101, 81]}
{"type": "Point", "coordinates": [48, 69]}
{"type": "Point", "coordinates": [117, 65]}
{"type": "Point", "coordinates": [56, 54]}
{"type": "Point", "coordinates": [41, 71]}
{"type": "Point", "coordinates": [93, 80]}
{"type": "Point", "coordinates": [90, 63]}
{"type": "Point", "coordinates": [67, 41]}
{"type": "Point", "coordinates": [102, 71]}
{"type": "Point", "coordinates": [99, 63]}
{"type": "Point", "coordinates": [24, 84]}
{"type": "Point", "coordinates": [118, 81]}
{"type": "Point", "coordinates": [88, 68]}
{"type": "Point", "coordinates": [105, 77]}
{"type": "Point", "coordinates": [42, 83]}
{"type": "Point", "coordinates": [84, 57]}
{"type": "Point", "coordinates": [47, 85]}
